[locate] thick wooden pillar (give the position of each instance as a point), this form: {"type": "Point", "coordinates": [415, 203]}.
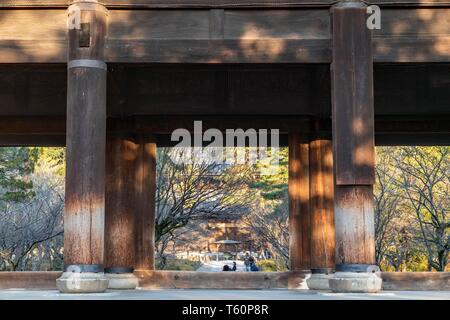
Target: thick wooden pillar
{"type": "Point", "coordinates": [299, 215]}
{"type": "Point", "coordinates": [121, 206]}
{"type": "Point", "coordinates": [353, 137]}
{"type": "Point", "coordinates": [84, 215]}
{"type": "Point", "coordinates": [86, 135]}
{"type": "Point", "coordinates": [130, 208]}
{"type": "Point", "coordinates": [322, 206]}
{"type": "Point", "coordinates": [145, 190]}
{"type": "Point", "coordinates": [354, 228]}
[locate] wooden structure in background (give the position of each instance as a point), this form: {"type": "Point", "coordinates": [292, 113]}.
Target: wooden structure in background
{"type": "Point", "coordinates": [299, 204]}
{"type": "Point", "coordinates": [158, 65]}
{"type": "Point", "coordinates": [321, 186]}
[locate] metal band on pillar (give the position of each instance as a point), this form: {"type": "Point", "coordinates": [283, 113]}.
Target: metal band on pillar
{"type": "Point", "coordinates": [87, 63]}
{"type": "Point", "coordinates": [119, 270]}
{"type": "Point", "coordinates": [322, 270]}
{"type": "Point", "coordinates": [357, 268]}
{"type": "Point", "coordinates": [83, 268]}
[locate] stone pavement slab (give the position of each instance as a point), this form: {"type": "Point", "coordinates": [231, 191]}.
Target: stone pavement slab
{"type": "Point", "coordinates": [179, 294]}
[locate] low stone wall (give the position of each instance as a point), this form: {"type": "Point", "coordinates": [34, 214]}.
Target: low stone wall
{"type": "Point", "coordinates": [416, 281]}
{"type": "Point", "coordinates": [171, 280]}
{"type": "Point", "coordinates": [29, 280]}
{"type": "Point", "coordinates": [223, 280]}
{"type": "Point", "coordinates": [398, 281]}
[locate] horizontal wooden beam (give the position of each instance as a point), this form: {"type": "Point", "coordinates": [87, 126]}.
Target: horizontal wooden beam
{"type": "Point", "coordinates": [412, 139]}
{"type": "Point", "coordinates": [401, 90]}
{"type": "Point", "coordinates": [33, 51]}
{"type": "Point", "coordinates": [411, 49]}
{"type": "Point", "coordinates": [386, 50]}
{"type": "Point", "coordinates": [219, 51]}
{"type": "Point", "coordinates": [138, 4]}
{"type": "Point", "coordinates": [14, 126]}
{"type": "Point", "coordinates": [50, 131]}
{"type": "Point", "coordinates": [164, 140]}
{"type": "Point", "coordinates": [167, 124]}
{"type": "Point", "coordinates": [32, 140]}
{"type": "Point", "coordinates": [163, 4]}
{"type": "Point", "coordinates": [224, 36]}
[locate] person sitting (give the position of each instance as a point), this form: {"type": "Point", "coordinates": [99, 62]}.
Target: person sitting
{"type": "Point", "coordinates": [234, 266]}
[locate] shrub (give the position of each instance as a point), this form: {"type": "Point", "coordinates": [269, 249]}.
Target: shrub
{"type": "Point", "coordinates": [178, 265]}
{"type": "Point", "coordinates": [270, 266]}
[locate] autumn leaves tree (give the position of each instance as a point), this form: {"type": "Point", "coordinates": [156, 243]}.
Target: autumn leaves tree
{"type": "Point", "coordinates": [412, 206]}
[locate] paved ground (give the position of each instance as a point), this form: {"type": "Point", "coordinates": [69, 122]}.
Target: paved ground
{"type": "Point", "coordinates": [217, 266]}
{"type": "Point", "coordinates": [15, 294]}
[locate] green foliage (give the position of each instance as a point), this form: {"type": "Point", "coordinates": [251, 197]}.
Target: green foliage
{"type": "Point", "coordinates": [417, 262]}
{"type": "Point", "coordinates": [273, 187]}
{"type": "Point", "coordinates": [177, 264]}
{"type": "Point", "coordinates": [16, 164]}
{"type": "Point", "coordinates": [269, 217]}
{"type": "Point", "coordinates": [270, 266]}
{"type": "Point", "coordinates": [55, 158]}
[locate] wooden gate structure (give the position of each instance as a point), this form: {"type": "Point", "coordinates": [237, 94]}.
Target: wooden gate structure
{"type": "Point", "coordinates": [116, 85]}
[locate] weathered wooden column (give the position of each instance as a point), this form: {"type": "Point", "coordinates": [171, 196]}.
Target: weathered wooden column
{"type": "Point", "coordinates": [86, 135]}
{"type": "Point", "coordinates": [122, 156]}
{"type": "Point", "coordinates": [145, 191]}
{"type": "Point", "coordinates": [353, 146]}
{"type": "Point", "coordinates": [321, 188]}
{"type": "Point", "coordinates": [299, 215]}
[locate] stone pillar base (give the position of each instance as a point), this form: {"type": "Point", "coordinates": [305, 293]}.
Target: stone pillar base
{"type": "Point", "coordinates": [122, 281]}
{"type": "Point", "coordinates": [87, 282]}
{"type": "Point", "coordinates": [319, 281]}
{"type": "Point", "coordinates": [362, 282]}
{"type": "Point", "coordinates": [296, 279]}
